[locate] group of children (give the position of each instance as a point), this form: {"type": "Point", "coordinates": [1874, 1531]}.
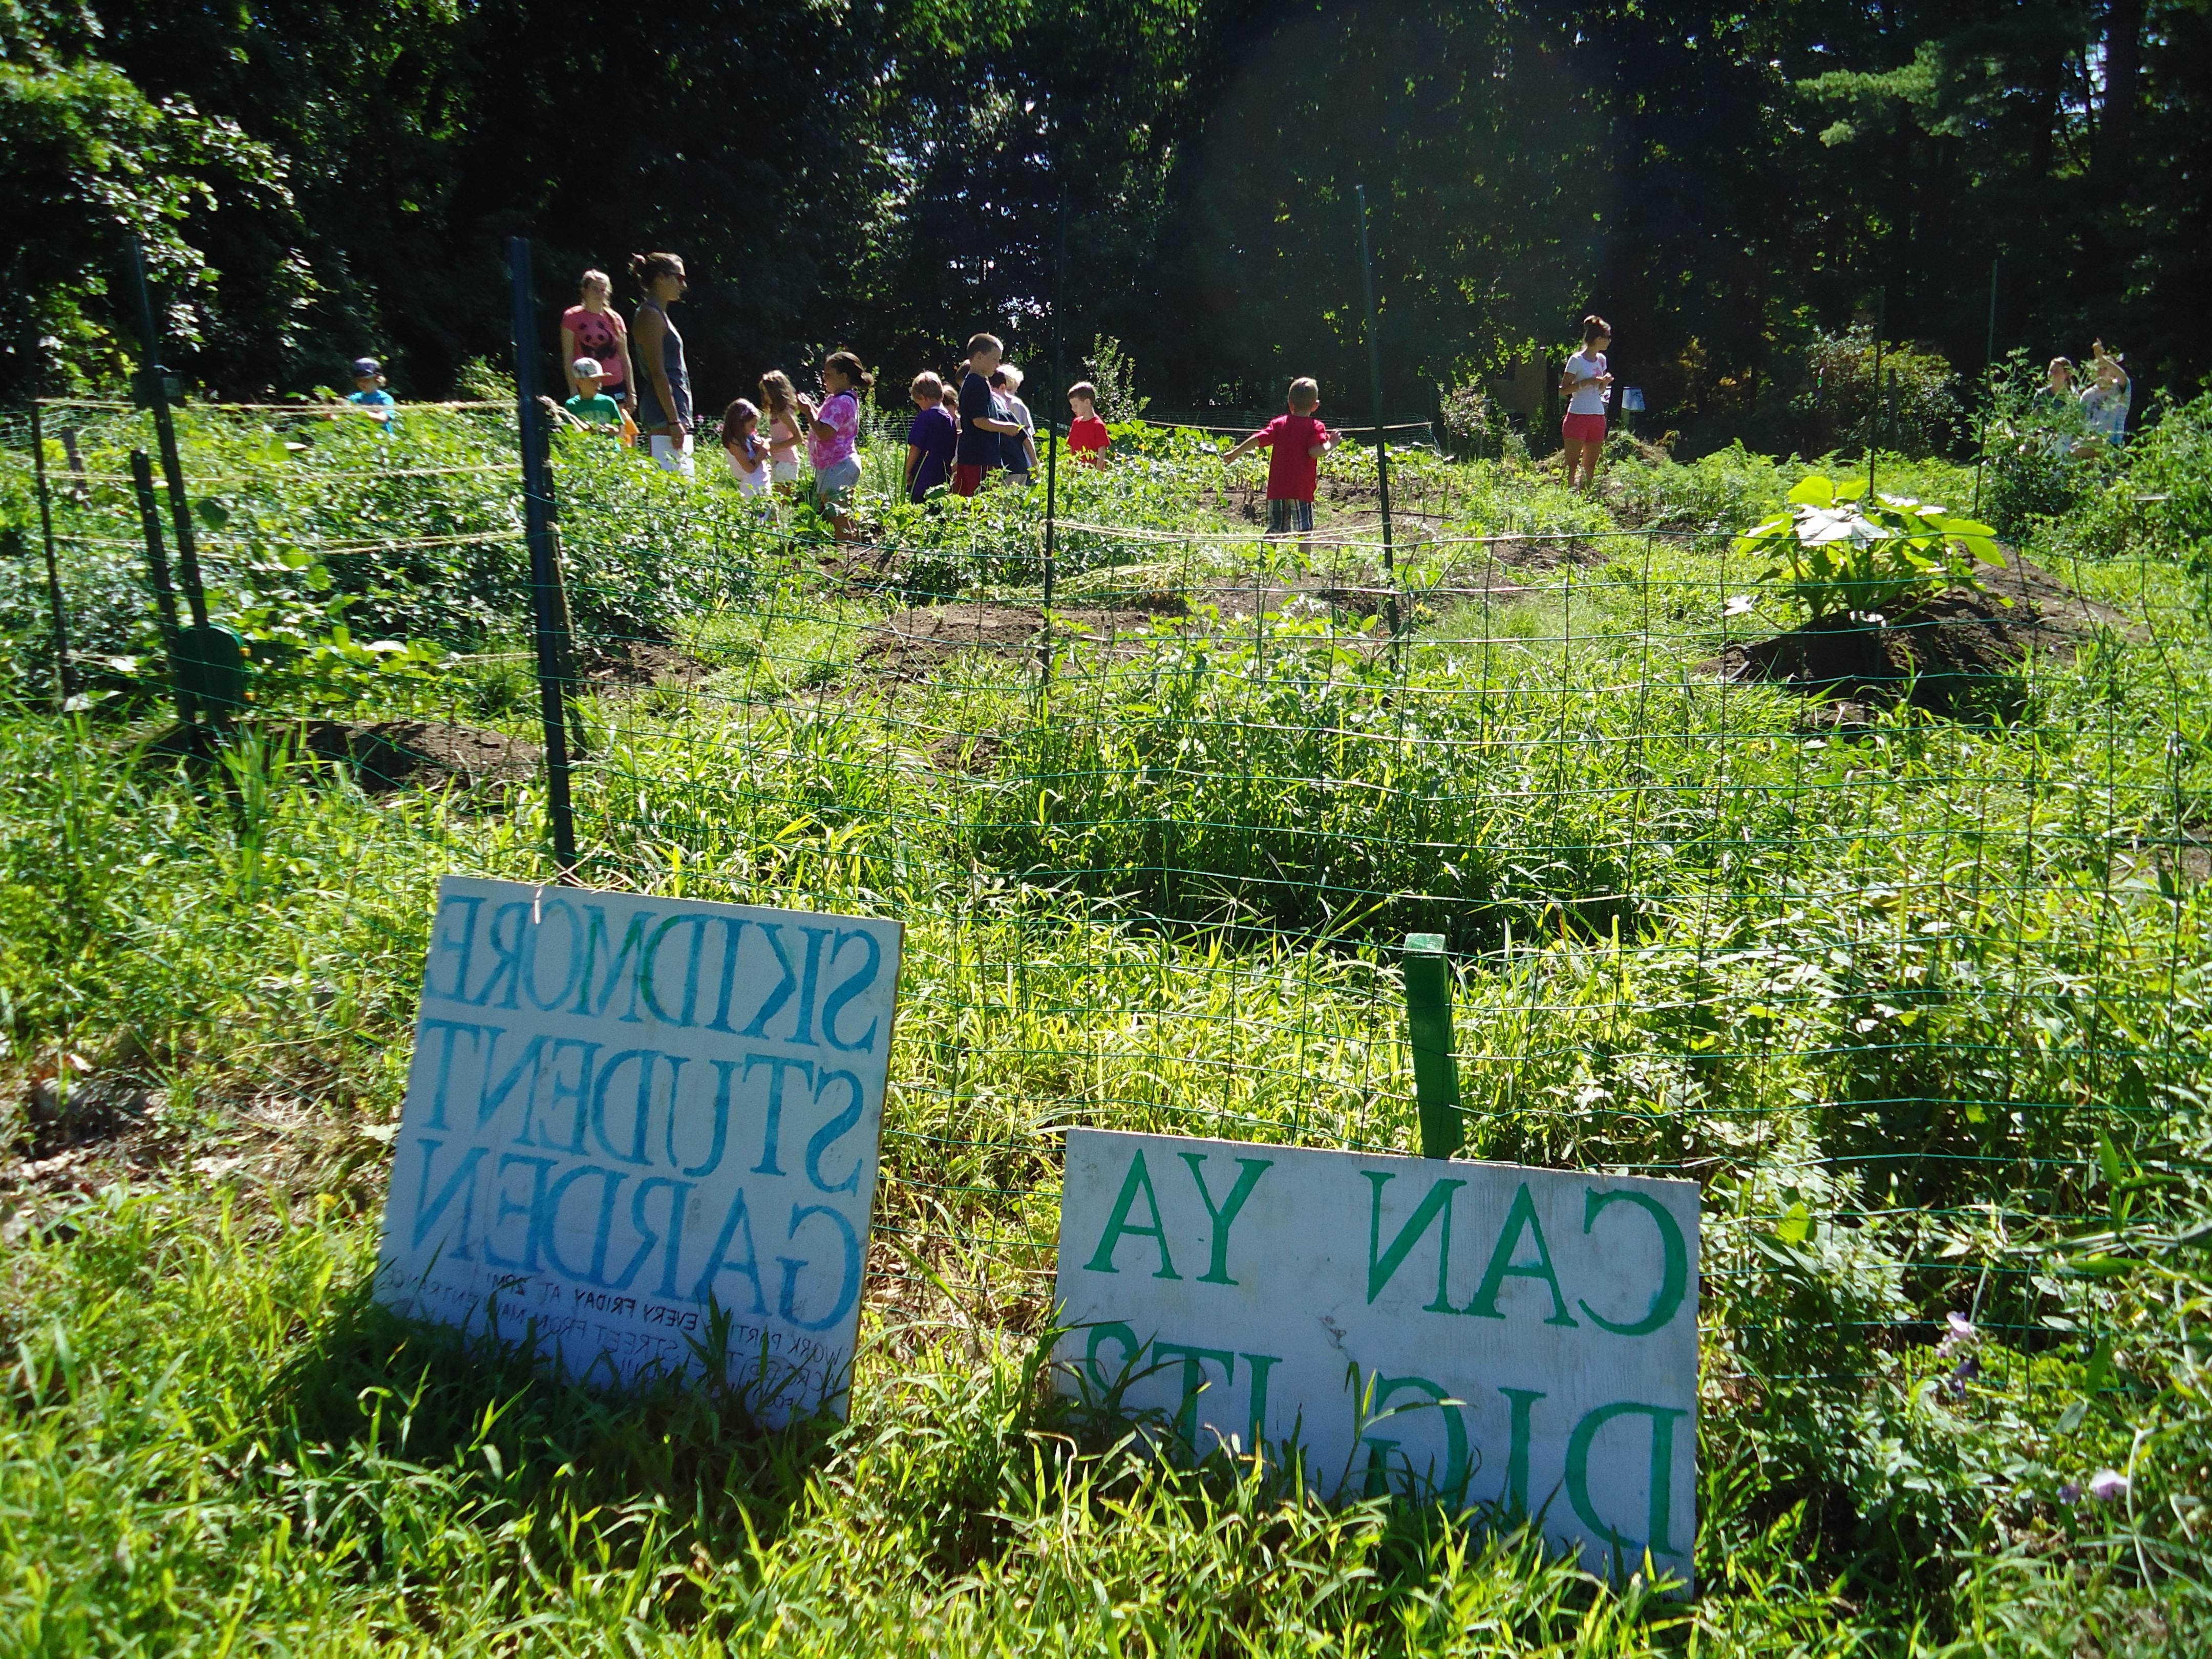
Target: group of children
{"type": "Point", "coordinates": [957, 435]}
{"type": "Point", "coordinates": [960, 433]}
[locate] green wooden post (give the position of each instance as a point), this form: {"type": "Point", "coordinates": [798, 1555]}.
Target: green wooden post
{"type": "Point", "coordinates": [1429, 1025]}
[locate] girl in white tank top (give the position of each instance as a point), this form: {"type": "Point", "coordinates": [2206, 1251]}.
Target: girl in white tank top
{"type": "Point", "coordinates": [748, 453]}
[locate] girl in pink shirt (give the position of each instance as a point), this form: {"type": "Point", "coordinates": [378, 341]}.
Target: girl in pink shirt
{"type": "Point", "coordinates": [833, 434]}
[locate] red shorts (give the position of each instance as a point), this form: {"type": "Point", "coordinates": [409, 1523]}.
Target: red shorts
{"type": "Point", "coordinates": [966, 480]}
{"type": "Point", "coordinates": [1582, 428]}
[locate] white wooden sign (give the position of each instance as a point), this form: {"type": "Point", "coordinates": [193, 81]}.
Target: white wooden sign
{"type": "Point", "coordinates": [1479, 1332]}
{"type": "Point", "coordinates": [627, 1116]}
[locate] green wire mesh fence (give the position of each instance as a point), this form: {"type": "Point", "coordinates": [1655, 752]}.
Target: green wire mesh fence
{"type": "Point", "coordinates": [1889, 931]}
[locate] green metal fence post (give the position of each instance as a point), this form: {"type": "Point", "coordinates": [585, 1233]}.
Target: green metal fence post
{"type": "Point", "coordinates": [1429, 1025]}
{"type": "Point", "coordinates": [165, 595]}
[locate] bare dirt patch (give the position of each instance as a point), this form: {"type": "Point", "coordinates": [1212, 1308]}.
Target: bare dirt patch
{"type": "Point", "coordinates": [422, 754]}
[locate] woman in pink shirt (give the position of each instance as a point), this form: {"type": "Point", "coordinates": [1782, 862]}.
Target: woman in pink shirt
{"type": "Point", "coordinates": [593, 328]}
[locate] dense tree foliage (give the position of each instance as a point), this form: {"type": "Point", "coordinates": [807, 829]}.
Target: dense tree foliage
{"type": "Point", "coordinates": [1726, 183]}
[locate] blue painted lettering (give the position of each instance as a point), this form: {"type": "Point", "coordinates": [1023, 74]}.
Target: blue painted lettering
{"type": "Point", "coordinates": [849, 1286]}
{"type": "Point", "coordinates": [851, 985]}
{"type": "Point", "coordinates": [823, 1138]}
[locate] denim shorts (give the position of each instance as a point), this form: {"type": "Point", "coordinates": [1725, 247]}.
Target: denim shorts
{"type": "Point", "coordinates": [835, 483]}
{"type": "Point", "coordinates": [1285, 517]}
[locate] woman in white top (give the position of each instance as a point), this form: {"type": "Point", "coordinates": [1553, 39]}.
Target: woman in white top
{"type": "Point", "coordinates": [1585, 384]}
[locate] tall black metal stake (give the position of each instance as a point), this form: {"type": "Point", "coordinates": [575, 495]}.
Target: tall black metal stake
{"type": "Point", "coordinates": [1382, 445]}
{"type": "Point", "coordinates": [546, 607]}
{"type": "Point", "coordinates": [154, 392]}
{"type": "Point", "coordinates": [64, 675]}
{"type": "Point", "coordinates": [1989, 390]}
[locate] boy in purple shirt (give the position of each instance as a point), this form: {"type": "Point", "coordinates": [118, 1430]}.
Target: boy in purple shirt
{"type": "Point", "coordinates": [931, 438]}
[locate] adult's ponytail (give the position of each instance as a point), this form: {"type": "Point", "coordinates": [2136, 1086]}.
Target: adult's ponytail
{"type": "Point", "coordinates": [650, 268]}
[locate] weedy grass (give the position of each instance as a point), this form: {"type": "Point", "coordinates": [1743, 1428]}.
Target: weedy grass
{"type": "Point", "coordinates": [1920, 1001]}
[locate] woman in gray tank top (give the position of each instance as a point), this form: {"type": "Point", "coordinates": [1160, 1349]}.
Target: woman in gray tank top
{"type": "Point", "coordinates": [664, 383]}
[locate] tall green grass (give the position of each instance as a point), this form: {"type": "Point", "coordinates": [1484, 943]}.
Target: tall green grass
{"type": "Point", "coordinates": [1922, 1003]}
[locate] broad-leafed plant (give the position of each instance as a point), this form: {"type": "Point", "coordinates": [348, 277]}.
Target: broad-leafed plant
{"type": "Point", "coordinates": [1839, 553]}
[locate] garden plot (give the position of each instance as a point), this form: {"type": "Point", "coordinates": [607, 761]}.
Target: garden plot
{"type": "Point", "coordinates": [1923, 1014]}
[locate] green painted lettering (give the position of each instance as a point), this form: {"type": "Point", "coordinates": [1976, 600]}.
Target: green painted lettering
{"type": "Point", "coordinates": [1675, 1265]}
{"type": "Point", "coordinates": [1662, 1474]}
{"type": "Point", "coordinates": [1516, 1448]}
{"type": "Point", "coordinates": [1519, 1219]}
{"type": "Point", "coordinates": [1381, 1264]}
{"type": "Point", "coordinates": [1137, 1180]}
{"type": "Point", "coordinates": [1453, 1486]}
{"type": "Point", "coordinates": [1249, 1169]}
{"type": "Point", "coordinates": [1195, 1381]}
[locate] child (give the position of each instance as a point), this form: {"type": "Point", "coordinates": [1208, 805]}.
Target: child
{"type": "Point", "coordinates": [591, 407]}
{"type": "Point", "coordinates": [368, 392]}
{"type": "Point", "coordinates": [1086, 433]}
{"type": "Point", "coordinates": [785, 427]}
{"type": "Point", "coordinates": [981, 429]}
{"type": "Point", "coordinates": [931, 437]}
{"type": "Point", "coordinates": [1585, 384]}
{"type": "Point", "coordinates": [747, 450]}
{"type": "Point", "coordinates": [833, 433]}
{"type": "Point", "coordinates": [1296, 442]}
{"type": "Point", "coordinates": [1020, 451]}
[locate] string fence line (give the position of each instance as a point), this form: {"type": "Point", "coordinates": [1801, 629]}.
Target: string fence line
{"type": "Point", "coordinates": [1875, 949]}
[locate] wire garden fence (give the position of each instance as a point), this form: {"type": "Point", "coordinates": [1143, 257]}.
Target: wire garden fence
{"type": "Point", "coordinates": [1891, 934]}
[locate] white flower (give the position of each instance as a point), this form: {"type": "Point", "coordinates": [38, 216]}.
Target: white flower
{"type": "Point", "coordinates": [1739, 604]}
{"type": "Point", "coordinates": [2108, 1485]}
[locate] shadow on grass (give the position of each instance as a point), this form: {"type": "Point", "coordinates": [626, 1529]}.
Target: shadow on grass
{"type": "Point", "coordinates": [493, 1429]}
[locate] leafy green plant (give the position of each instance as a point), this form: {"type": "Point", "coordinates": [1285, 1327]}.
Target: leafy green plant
{"type": "Point", "coordinates": [1840, 553]}
{"type": "Point", "coordinates": [1114, 375]}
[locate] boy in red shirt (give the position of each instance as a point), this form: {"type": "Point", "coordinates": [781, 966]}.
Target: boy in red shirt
{"type": "Point", "coordinates": [1296, 441]}
{"type": "Point", "coordinates": [1086, 433]}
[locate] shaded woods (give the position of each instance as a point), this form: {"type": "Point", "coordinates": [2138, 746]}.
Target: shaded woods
{"type": "Point", "coordinates": [316, 181]}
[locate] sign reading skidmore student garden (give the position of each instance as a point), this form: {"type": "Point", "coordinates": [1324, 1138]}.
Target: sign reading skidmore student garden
{"type": "Point", "coordinates": [626, 1114]}
{"type": "Point", "coordinates": [1479, 1333]}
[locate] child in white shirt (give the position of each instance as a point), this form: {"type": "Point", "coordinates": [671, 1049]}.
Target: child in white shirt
{"type": "Point", "coordinates": [1586, 383]}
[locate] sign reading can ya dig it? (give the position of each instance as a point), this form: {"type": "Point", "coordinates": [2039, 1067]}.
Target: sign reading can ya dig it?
{"type": "Point", "coordinates": [1475, 1333]}
{"type": "Point", "coordinates": [626, 1114]}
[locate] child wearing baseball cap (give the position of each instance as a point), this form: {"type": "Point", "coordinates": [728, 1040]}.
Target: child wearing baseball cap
{"type": "Point", "coordinates": [368, 393]}
{"type": "Point", "coordinates": [591, 407]}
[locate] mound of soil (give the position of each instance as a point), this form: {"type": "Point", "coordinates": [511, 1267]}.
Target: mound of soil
{"type": "Point", "coordinates": [911, 643]}
{"type": "Point", "coordinates": [422, 754]}
{"type": "Point", "coordinates": [1959, 647]}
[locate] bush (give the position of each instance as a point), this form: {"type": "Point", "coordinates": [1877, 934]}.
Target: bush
{"type": "Point", "coordinates": [1916, 411]}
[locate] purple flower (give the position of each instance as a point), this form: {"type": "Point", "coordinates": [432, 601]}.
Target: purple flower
{"type": "Point", "coordinates": [1960, 1332]}
{"type": "Point", "coordinates": [2107, 1485]}
{"type": "Point", "coordinates": [1964, 1372]}
{"type": "Point", "coordinates": [2070, 1492]}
